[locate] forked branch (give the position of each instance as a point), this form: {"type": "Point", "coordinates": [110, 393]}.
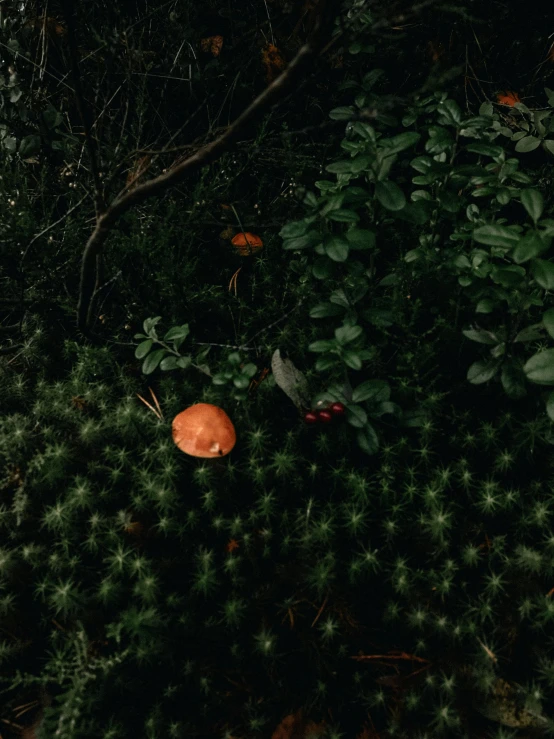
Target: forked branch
{"type": "Point", "coordinates": [127, 199]}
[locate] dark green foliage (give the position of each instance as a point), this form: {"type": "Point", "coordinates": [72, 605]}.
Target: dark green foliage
{"type": "Point", "coordinates": [396, 567]}
{"type": "Point", "coordinates": [441, 548]}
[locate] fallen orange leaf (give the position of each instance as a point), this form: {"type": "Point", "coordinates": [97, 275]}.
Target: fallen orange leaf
{"type": "Point", "coordinates": [212, 45]}
{"type": "Point", "coordinates": [508, 98]}
{"type": "Point", "coordinates": [272, 61]}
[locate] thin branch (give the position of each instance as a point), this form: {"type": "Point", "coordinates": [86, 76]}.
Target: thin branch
{"type": "Point", "coordinates": [91, 143]}
{"type": "Point", "coordinates": [209, 153]}
{"type": "Point", "coordinates": [52, 225]}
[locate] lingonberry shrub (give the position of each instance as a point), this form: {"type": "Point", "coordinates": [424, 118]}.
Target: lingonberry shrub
{"type": "Point", "coordinates": [428, 224]}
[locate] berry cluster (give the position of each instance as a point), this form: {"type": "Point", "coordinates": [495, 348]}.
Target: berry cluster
{"type": "Point", "coordinates": [326, 415]}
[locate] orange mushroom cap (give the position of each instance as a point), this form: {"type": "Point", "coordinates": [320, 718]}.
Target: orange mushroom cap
{"type": "Point", "coordinates": [204, 430]}
{"type": "Point", "coordinates": [247, 242]}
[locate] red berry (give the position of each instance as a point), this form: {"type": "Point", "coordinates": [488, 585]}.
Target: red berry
{"type": "Point", "coordinates": [310, 417]}
{"type": "Point", "coordinates": [338, 409]}
{"type": "Point", "coordinates": [324, 416]}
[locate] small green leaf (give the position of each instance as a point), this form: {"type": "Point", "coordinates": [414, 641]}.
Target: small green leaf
{"type": "Point", "coordinates": [344, 113]}
{"type": "Point", "coordinates": [322, 268]}
{"type": "Point", "coordinates": [356, 416]}
{"type": "Point", "coordinates": [336, 248]}
{"type": "Point", "coordinates": [168, 363]}
{"type": "Point", "coordinates": [413, 255]}
{"type": "Point", "coordinates": [550, 406]}
{"type": "Point", "coordinates": [528, 143]}
{"type": "Point", "coordinates": [360, 238]}
{"type": "Point", "coordinates": [344, 215]}
{"type": "Point", "coordinates": [352, 359]}
{"type": "Point", "coordinates": [29, 145]}
{"type": "Point", "coordinates": [390, 195]}
{"type": "Point", "coordinates": [513, 380]}
{"type": "Point", "coordinates": [152, 361]}
{"type": "Point", "coordinates": [543, 273]}
{"type": "Point", "coordinates": [548, 320]}
{"type": "Point", "coordinates": [241, 382]}
{"type": "Point", "coordinates": [508, 276]}
{"type": "Point", "coordinates": [342, 167]}
{"type": "Point", "coordinates": [533, 203]}
{"type": "Point", "coordinates": [324, 345]}
{"type": "Point", "coordinates": [294, 230]}
{"type": "Point", "coordinates": [485, 306]}
{"type": "Point", "coordinates": [414, 418]}
{"type": "Point", "coordinates": [481, 371]}
{"type": "Point", "coordinates": [494, 235]}
{"type": "Point", "coordinates": [149, 324]}
{"type": "Point", "coordinates": [535, 332]}
{"type": "Point", "coordinates": [302, 242]}
{"type": "Point", "coordinates": [485, 149]}
{"type": "Point", "coordinates": [249, 370]}
{"type": "Point", "coordinates": [324, 310]}
{"type": "Point", "coordinates": [177, 332]}
{"type": "Point", "coordinates": [540, 367]}
{"type": "Point", "coordinates": [143, 348]}
{"type": "Point", "coordinates": [219, 379]}
{"type": "Point", "coordinates": [403, 141]}
{"type": "Point", "coordinates": [347, 334]}
{"type": "Point", "coordinates": [481, 336]}
{"type": "Point", "coordinates": [376, 391]}
{"type": "Point", "coordinates": [367, 439]}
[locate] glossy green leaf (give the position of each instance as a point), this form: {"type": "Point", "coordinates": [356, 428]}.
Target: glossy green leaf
{"type": "Point", "coordinates": [482, 371]}
{"type": "Point", "coordinates": [513, 380]}
{"type": "Point", "coordinates": [169, 363]}
{"type": "Point", "coordinates": [346, 334]}
{"type": "Point", "coordinates": [152, 361]}
{"type": "Point", "coordinates": [324, 310]}
{"type": "Point", "coordinates": [344, 216]}
{"type": "Point", "coordinates": [495, 235]}
{"type": "Point", "coordinates": [143, 348]}
{"type": "Point", "coordinates": [344, 113]}
{"type": "Point", "coordinates": [302, 242]}
{"type": "Point", "coordinates": [360, 238]}
{"type": "Point", "coordinates": [550, 406]}
{"type": "Point", "coordinates": [352, 359]}
{"type": "Point", "coordinates": [323, 345]}
{"type": "Point", "coordinates": [533, 203]}
{"type": "Point", "coordinates": [177, 332]}
{"type": "Point", "coordinates": [375, 391]}
{"type": "Point", "coordinates": [390, 195]}
{"type": "Point", "coordinates": [336, 248]}
{"type": "Point", "coordinates": [540, 367]}
{"type": "Point", "coordinates": [548, 320]}
{"type": "Point", "coordinates": [356, 416]}
{"type": "Point", "coordinates": [528, 143]}
{"type": "Point", "coordinates": [543, 273]}
{"type": "Point", "coordinates": [367, 439]}
{"type": "Point", "coordinates": [481, 336]}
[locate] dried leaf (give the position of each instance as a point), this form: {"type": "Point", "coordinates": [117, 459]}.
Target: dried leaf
{"type": "Point", "coordinates": [290, 380]}
{"type": "Point", "coordinates": [273, 62]}
{"type": "Point", "coordinates": [212, 45]}
{"type": "Point", "coordinates": [435, 50]}
{"type": "Point", "coordinates": [53, 27]}
{"type": "Point", "coordinates": [507, 705]}
{"type": "Point", "coordinates": [295, 726]}
{"type": "Point", "coordinates": [508, 98]}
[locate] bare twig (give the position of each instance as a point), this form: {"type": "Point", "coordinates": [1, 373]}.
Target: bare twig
{"type": "Point", "coordinates": [69, 10]}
